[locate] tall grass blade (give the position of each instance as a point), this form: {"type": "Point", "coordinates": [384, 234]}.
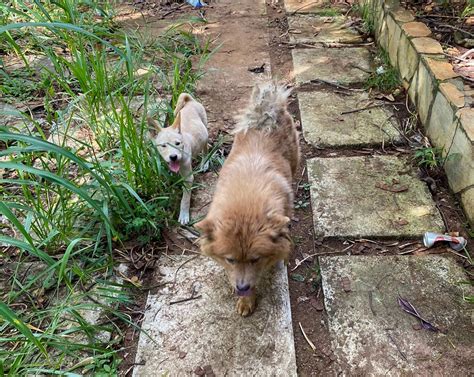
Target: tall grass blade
{"type": "Point", "coordinates": [16, 322]}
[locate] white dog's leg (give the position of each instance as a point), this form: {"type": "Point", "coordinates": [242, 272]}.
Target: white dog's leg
{"type": "Point", "coordinates": [186, 199]}
{"type": "Point", "coordinates": [205, 165]}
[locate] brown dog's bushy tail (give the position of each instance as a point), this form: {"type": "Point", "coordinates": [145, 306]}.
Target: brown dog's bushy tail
{"type": "Point", "coordinates": [266, 104]}
{"type": "Point", "coordinates": [182, 100]}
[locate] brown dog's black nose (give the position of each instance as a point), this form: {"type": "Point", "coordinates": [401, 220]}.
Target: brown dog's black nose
{"type": "Point", "coordinates": [173, 157]}
{"type": "Point", "coordinates": [242, 288]}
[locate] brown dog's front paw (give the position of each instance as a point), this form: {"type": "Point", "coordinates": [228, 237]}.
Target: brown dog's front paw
{"type": "Point", "coordinates": [246, 305]}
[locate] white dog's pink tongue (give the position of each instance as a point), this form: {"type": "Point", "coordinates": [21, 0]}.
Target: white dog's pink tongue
{"type": "Point", "coordinates": [174, 166]}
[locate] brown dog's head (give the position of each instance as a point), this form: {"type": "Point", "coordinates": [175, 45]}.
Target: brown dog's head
{"type": "Point", "coordinates": [245, 247]}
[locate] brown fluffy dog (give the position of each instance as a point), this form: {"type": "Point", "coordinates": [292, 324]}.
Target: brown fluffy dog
{"type": "Point", "coordinates": [246, 229]}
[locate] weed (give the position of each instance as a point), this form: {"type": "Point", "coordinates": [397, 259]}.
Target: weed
{"type": "Point", "coordinates": [429, 157]}
{"type": "Point", "coordinates": [305, 186]}
{"type": "Point", "coordinates": [315, 276]}
{"type": "Point", "coordinates": [301, 204]}
{"type": "Point", "coordinates": [367, 14]}
{"type": "Point", "coordinates": [329, 12]}
{"type": "Point", "coordinates": [385, 78]}
{"type": "Point", "coordinates": [468, 10]}
{"type": "Point", "coordinates": [20, 85]}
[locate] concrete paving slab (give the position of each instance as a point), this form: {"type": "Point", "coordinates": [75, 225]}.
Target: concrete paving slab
{"type": "Point", "coordinates": [207, 333]}
{"type": "Point", "coordinates": [325, 124]}
{"type": "Point", "coordinates": [305, 6]}
{"type": "Point", "coordinates": [372, 336]}
{"type": "Point", "coordinates": [310, 28]}
{"type": "Point", "coordinates": [338, 65]}
{"type": "Point", "coordinates": [370, 197]}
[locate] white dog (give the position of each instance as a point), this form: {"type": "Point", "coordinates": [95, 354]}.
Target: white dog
{"type": "Point", "coordinates": [184, 140]}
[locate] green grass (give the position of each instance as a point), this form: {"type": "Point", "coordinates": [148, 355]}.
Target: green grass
{"type": "Point", "coordinates": [329, 12]}
{"type": "Point", "coordinates": [366, 12]}
{"type": "Point", "coordinates": [85, 180]}
{"type": "Point", "coordinates": [385, 78]}
{"type": "Point", "coordinates": [429, 157]}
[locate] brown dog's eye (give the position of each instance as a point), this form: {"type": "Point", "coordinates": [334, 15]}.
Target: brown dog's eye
{"type": "Point", "coordinates": [254, 260]}
{"type": "Point", "coordinates": [230, 260]}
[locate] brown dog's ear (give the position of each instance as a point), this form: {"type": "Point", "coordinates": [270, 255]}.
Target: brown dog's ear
{"type": "Point", "coordinates": [155, 128]}
{"type": "Point", "coordinates": [177, 122]}
{"type": "Point", "coordinates": [206, 227]}
{"type": "Point", "coordinates": [279, 227]}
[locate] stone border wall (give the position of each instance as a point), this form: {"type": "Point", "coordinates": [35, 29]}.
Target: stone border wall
{"type": "Point", "coordinates": [434, 88]}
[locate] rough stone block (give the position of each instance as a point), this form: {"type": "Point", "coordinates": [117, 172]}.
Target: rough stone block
{"type": "Point", "coordinates": [452, 94]}
{"type": "Point", "coordinates": [425, 45]}
{"type": "Point", "coordinates": [424, 90]}
{"type": "Point", "coordinates": [309, 28]}
{"type": "Point", "coordinates": [207, 333]}
{"type": "Point", "coordinates": [394, 32]}
{"type": "Point", "coordinates": [416, 29]}
{"type": "Point", "coordinates": [407, 58]}
{"type": "Point", "coordinates": [466, 117]}
{"type": "Point", "coordinates": [402, 15]}
{"type": "Point", "coordinates": [324, 125]}
{"type": "Point", "coordinates": [467, 201]}
{"type": "Point", "coordinates": [459, 165]}
{"type": "Point", "coordinates": [441, 126]}
{"type": "Point", "coordinates": [442, 70]}
{"type": "Point", "coordinates": [343, 65]}
{"type": "Point", "coordinates": [412, 86]}
{"type": "Point", "coordinates": [372, 336]}
{"type": "Point", "coordinates": [357, 197]}
{"type": "Point", "coordinates": [383, 34]}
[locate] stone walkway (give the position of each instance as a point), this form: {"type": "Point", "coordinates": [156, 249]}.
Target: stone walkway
{"type": "Point", "coordinates": [351, 197]}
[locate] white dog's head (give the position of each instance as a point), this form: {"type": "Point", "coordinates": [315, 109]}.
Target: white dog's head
{"type": "Point", "coordinates": [169, 142]}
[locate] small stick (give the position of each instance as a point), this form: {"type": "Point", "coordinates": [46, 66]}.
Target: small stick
{"type": "Point", "coordinates": [182, 264]}
{"type": "Point", "coordinates": [396, 346]}
{"type": "Point", "coordinates": [173, 10]}
{"type": "Point", "coordinates": [408, 244]}
{"type": "Point", "coordinates": [185, 299]}
{"type": "Point", "coordinates": [330, 83]}
{"type": "Point", "coordinates": [347, 248]}
{"type": "Point", "coordinates": [466, 54]}
{"type": "Point", "coordinates": [459, 255]}
{"type": "Point", "coordinates": [413, 250]}
{"type": "Point", "coordinates": [301, 262]}
{"type": "Point", "coordinates": [311, 344]}
{"type": "Point", "coordinates": [370, 107]}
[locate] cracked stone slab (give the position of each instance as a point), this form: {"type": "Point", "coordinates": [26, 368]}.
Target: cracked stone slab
{"type": "Point", "coordinates": [325, 125]}
{"type": "Point", "coordinates": [372, 336]}
{"type": "Point", "coordinates": [337, 65]}
{"type": "Point", "coordinates": [309, 28]}
{"type": "Point", "coordinates": [305, 6]}
{"type": "Point", "coordinates": [208, 333]}
{"type": "Point", "coordinates": [355, 197]}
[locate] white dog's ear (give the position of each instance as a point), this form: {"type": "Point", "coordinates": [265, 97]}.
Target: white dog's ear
{"type": "Point", "coordinates": [206, 227]}
{"type": "Point", "coordinates": [154, 127]}
{"type": "Point", "coordinates": [177, 122]}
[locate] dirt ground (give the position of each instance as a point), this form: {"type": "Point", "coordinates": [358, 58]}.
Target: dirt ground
{"type": "Point", "coordinates": [249, 43]}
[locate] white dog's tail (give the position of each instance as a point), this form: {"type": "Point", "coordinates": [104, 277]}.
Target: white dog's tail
{"type": "Point", "coordinates": [183, 99]}
{"type": "Point", "coordinates": [266, 103]}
